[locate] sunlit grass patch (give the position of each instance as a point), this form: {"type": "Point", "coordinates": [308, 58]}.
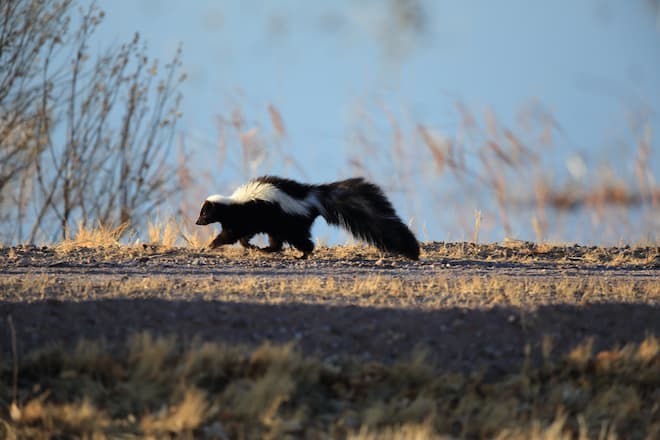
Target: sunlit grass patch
{"type": "Point", "coordinates": [433, 292]}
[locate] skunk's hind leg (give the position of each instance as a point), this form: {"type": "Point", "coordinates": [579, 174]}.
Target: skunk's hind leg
{"type": "Point", "coordinates": [274, 244]}
{"type": "Point", "coordinates": [245, 242]}
{"type": "Point", "coordinates": [227, 236]}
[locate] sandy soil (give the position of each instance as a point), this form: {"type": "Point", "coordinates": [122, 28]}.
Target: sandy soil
{"type": "Point", "coordinates": [458, 334]}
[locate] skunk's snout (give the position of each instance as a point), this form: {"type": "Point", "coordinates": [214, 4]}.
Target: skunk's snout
{"type": "Point", "coordinates": [201, 221]}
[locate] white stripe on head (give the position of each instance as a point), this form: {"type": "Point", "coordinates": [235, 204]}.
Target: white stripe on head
{"type": "Point", "coordinates": [217, 198]}
{"type": "Point", "coordinates": [255, 190]}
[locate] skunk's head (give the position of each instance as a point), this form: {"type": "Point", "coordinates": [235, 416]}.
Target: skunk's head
{"type": "Point", "coordinates": [211, 211]}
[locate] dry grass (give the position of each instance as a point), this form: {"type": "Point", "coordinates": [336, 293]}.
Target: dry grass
{"type": "Point", "coordinates": [106, 243]}
{"type": "Point", "coordinates": [441, 291]}
{"type": "Point", "coordinates": [97, 237]}
{"type": "Point", "coordinates": [162, 387]}
{"type": "Point", "coordinates": [112, 241]}
{"type": "Point", "coordinates": [156, 387]}
{"type": "Point", "coordinates": [171, 233]}
{"type": "Point", "coordinates": [164, 234]}
{"type": "Point", "coordinates": [607, 194]}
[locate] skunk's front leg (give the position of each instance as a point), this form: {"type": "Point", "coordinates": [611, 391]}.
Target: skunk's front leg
{"type": "Point", "coordinates": [227, 236]}
{"type": "Point", "coordinates": [303, 244]}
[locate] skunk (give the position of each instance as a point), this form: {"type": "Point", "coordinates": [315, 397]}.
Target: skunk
{"type": "Point", "coordinates": [285, 210]}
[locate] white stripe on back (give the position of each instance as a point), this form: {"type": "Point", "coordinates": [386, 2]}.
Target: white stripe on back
{"type": "Point", "coordinates": [255, 190]}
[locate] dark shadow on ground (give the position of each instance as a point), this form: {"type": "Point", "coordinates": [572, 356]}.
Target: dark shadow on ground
{"type": "Point", "coordinates": [457, 339]}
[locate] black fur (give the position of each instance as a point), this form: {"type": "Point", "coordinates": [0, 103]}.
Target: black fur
{"type": "Point", "coordinates": [358, 206]}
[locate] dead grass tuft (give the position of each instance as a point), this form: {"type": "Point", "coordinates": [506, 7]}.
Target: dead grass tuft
{"type": "Point", "coordinates": [405, 432]}
{"type": "Point", "coordinates": [41, 418]}
{"type": "Point", "coordinates": [184, 417]}
{"type": "Point", "coordinates": [99, 236]}
{"type": "Point", "coordinates": [149, 357]}
{"type": "Point", "coordinates": [164, 234]}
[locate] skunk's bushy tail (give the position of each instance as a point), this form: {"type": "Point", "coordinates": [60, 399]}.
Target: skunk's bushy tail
{"type": "Point", "coordinates": [363, 210]}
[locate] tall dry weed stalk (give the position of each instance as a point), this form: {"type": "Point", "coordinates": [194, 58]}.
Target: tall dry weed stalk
{"type": "Point", "coordinates": [477, 226]}
{"type": "Point", "coordinates": [244, 148]}
{"type": "Point", "coordinates": [164, 233]}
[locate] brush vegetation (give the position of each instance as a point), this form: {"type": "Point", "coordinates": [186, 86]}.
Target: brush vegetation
{"type": "Point", "coordinates": [156, 387]}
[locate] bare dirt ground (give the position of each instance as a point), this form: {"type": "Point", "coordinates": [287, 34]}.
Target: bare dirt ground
{"type": "Point", "coordinates": [472, 308]}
